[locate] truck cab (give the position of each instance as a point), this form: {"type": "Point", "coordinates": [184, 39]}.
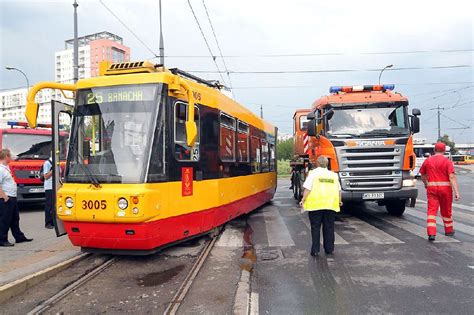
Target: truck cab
{"type": "Point", "coordinates": [29, 149]}
{"type": "Point", "coordinates": [366, 132]}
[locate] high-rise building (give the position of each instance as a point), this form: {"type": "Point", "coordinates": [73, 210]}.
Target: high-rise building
{"type": "Point", "coordinates": [93, 49]}
{"type": "Point", "coordinates": [13, 102]}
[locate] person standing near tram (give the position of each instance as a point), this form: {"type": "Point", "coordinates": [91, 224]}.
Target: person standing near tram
{"type": "Point", "coordinates": [322, 200]}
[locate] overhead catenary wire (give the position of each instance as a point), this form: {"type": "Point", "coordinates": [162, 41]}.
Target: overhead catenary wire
{"type": "Point", "coordinates": [455, 121]}
{"type": "Point", "coordinates": [207, 43]}
{"type": "Point", "coordinates": [444, 94]}
{"type": "Point", "coordinates": [332, 54]}
{"type": "Point", "coordinates": [314, 86]}
{"type": "Point", "coordinates": [217, 43]}
{"type": "Point", "coordinates": [129, 29]}
{"type": "Point", "coordinates": [333, 70]}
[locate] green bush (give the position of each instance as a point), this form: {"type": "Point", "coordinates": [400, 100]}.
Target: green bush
{"type": "Point", "coordinates": [284, 168]}
{"type": "Point", "coordinates": [285, 149]}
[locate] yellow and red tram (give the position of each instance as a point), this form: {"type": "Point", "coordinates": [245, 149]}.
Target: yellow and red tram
{"type": "Point", "coordinates": [157, 156]}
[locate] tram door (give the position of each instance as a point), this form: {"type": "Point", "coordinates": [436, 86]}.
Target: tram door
{"type": "Point", "coordinates": [62, 118]}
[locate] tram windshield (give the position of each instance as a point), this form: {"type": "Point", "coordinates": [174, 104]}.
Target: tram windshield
{"type": "Point", "coordinates": [112, 132]}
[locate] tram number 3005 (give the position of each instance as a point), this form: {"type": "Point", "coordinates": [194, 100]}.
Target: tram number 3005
{"type": "Point", "coordinates": [94, 204]}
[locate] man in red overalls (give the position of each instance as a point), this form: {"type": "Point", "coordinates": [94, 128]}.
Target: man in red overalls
{"type": "Point", "coordinates": [440, 180]}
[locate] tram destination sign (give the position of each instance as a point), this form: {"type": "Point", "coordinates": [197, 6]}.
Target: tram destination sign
{"type": "Point", "coordinates": [128, 93]}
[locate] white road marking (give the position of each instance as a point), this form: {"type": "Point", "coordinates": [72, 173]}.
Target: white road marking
{"type": "Point", "coordinates": [282, 197]}
{"type": "Point", "coordinates": [242, 295]}
{"type": "Point", "coordinates": [231, 237]}
{"type": "Point", "coordinates": [277, 232]}
{"type": "Point", "coordinates": [372, 233]}
{"type": "Point", "coordinates": [457, 215]}
{"type": "Point", "coordinates": [457, 225]}
{"type": "Point", "coordinates": [455, 205]}
{"type": "Point", "coordinates": [283, 204]}
{"type": "Point", "coordinates": [338, 240]}
{"type": "Point", "coordinates": [472, 267]}
{"type": "Point", "coordinates": [415, 229]}
{"type": "Point", "coordinates": [254, 303]}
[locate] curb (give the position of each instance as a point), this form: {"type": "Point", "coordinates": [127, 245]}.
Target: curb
{"type": "Point", "coordinates": [19, 286]}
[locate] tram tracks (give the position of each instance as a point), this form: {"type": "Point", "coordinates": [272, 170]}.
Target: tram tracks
{"type": "Point", "coordinates": [180, 295]}
{"type": "Point", "coordinates": [47, 304]}
{"type": "Point", "coordinates": [175, 301]}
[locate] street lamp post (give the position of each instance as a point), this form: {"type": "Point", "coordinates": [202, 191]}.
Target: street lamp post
{"type": "Point", "coordinates": [16, 69]}
{"type": "Point", "coordinates": [386, 67]}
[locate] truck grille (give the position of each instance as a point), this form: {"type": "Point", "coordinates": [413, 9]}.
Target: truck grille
{"type": "Point", "coordinates": [374, 168]}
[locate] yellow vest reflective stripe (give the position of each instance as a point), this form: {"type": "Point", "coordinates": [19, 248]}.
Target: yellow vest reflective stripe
{"type": "Point", "coordinates": [325, 192]}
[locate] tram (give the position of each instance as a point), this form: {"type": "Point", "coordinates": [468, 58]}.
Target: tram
{"type": "Point", "coordinates": [157, 156]}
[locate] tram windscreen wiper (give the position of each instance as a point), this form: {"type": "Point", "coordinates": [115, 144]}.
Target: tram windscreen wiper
{"type": "Point", "coordinates": [87, 172]}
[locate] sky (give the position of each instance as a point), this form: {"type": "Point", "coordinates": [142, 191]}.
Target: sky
{"type": "Point", "coordinates": [436, 36]}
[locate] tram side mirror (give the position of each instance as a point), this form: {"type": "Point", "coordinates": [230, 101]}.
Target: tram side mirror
{"type": "Point", "coordinates": [416, 112]}
{"type": "Point", "coordinates": [415, 124]}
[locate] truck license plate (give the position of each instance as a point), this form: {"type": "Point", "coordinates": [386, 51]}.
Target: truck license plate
{"type": "Point", "coordinates": [36, 190]}
{"type": "Point", "coordinates": [373, 196]}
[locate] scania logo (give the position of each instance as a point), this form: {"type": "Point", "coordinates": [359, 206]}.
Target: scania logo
{"type": "Point", "coordinates": [370, 143]}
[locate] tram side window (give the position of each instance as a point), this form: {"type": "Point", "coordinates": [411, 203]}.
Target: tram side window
{"type": "Point", "coordinates": [242, 142]}
{"type": "Point", "coordinates": [255, 154]}
{"type": "Point", "coordinates": [265, 156]}
{"type": "Point", "coordinates": [272, 157]}
{"type": "Point", "coordinates": [227, 138]}
{"type": "Point", "coordinates": [182, 151]}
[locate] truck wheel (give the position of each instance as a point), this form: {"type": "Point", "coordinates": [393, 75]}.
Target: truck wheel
{"type": "Point", "coordinates": [395, 207]}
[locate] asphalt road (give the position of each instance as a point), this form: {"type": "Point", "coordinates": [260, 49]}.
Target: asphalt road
{"type": "Point", "coordinates": [382, 264]}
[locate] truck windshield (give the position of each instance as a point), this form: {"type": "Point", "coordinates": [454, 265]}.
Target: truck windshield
{"type": "Point", "coordinates": [28, 146]}
{"type": "Point", "coordinates": [371, 120]}
{"type": "Point", "coordinates": [111, 134]}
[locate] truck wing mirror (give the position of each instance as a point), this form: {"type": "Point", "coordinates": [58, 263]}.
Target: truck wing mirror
{"type": "Point", "coordinates": [311, 116]}
{"type": "Point", "coordinates": [312, 128]}
{"type": "Point", "coordinates": [416, 112]}
{"type": "Point", "coordinates": [415, 124]}
{"type": "Point", "coordinates": [329, 114]}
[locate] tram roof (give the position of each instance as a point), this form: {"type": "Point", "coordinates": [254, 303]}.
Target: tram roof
{"type": "Point", "coordinates": [211, 97]}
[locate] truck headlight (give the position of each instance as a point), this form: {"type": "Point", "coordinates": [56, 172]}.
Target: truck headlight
{"type": "Point", "coordinates": [69, 202]}
{"type": "Point", "coordinates": [409, 182]}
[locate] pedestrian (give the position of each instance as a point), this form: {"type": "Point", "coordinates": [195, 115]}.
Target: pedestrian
{"type": "Point", "coordinates": [47, 173]}
{"type": "Point", "coordinates": [9, 211]}
{"type": "Point", "coordinates": [437, 173]}
{"type": "Point", "coordinates": [322, 200]}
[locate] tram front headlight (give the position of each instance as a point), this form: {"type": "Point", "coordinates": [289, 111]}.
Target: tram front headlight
{"type": "Point", "coordinates": [69, 202]}
{"type": "Point", "coordinates": [122, 203]}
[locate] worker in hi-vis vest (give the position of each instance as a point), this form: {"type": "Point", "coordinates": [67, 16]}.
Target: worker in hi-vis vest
{"type": "Point", "coordinates": [322, 199]}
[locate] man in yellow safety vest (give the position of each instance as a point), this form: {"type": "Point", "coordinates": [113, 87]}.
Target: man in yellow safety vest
{"type": "Point", "coordinates": [322, 199]}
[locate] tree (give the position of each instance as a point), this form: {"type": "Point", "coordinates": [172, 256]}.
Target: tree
{"type": "Point", "coordinates": [285, 149]}
{"type": "Point", "coordinates": [445, 139]}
